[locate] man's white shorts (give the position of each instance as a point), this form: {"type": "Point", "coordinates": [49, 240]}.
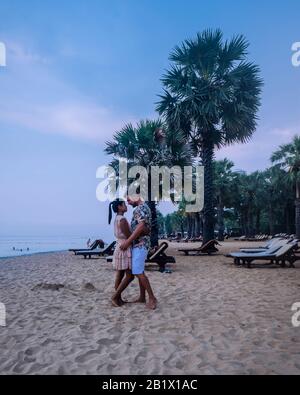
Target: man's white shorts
{"type": "Point", "coordinates": [139, 256]}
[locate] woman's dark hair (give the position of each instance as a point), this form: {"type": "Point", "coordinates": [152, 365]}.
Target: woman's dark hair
{"type": "Point", "coordinates": [113, 206]}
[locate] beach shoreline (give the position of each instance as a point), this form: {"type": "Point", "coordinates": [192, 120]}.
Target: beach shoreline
{"type": "Point", "coordinates": [212, 318]}
{"type": "Point", "coordinates": [33, 254]}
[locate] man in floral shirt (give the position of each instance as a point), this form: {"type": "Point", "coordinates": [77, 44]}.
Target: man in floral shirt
{"type": "Point", "coordinates": [140, 241]}
{"type": "Point", "coordinates": [141, 214]}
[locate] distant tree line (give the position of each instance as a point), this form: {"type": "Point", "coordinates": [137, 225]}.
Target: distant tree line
{"type": "Point", "coordinates": [262, 202]}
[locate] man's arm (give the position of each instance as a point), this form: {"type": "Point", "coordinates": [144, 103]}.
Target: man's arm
{"type": "Point", "coordinates": [140, 230]}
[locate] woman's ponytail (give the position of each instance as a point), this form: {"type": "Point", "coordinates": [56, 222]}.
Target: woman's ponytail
{"type": "Point", "coordinates": [113, 207]}
{"type": "Point", "coordinates": [110, 213]}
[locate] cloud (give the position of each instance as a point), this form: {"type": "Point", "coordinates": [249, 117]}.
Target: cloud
{"type": "Point", "coordinates": [32, 96]}
{"type": "Point", "coordinates": [22, 55]}
{"type": "Point", "coordinates": [256, 154]}
{"type": "Point", "coordinates": [79, 120]}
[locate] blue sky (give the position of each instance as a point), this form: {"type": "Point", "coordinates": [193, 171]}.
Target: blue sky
{"type": "Point", "coordinates": [77, 71]}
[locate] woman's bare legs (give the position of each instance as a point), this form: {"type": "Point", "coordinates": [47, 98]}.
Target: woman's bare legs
{"type": "Point", "coordinates": [117, 297]}
{"type": "Point", "coordinates": [119, 277]}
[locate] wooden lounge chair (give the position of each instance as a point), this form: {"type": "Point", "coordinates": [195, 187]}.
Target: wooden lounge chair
{"type": "Point", "coordinates": [208, 248]}
{"type": "Point", "coordinates": [93, 246]}
{"type": "Point", "coordinates": [109, 250]}
{"type": "Point", "coordinates": [160, 257]}
{"type": "Point", "coordinates": [276, 255]}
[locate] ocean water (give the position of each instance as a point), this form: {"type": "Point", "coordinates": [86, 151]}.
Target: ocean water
{"type": "Point", "coordinates": [18, 246]}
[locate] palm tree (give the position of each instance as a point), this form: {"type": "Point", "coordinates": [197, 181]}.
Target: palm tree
{"type": "Point", "coordinates": [211, 94]}
{"type": "Point", "coordinates": [149, 144]}
{"type": "Point", "coordinates": [224, 179]}
{"type": "Point", "coordinates": [288, 159]}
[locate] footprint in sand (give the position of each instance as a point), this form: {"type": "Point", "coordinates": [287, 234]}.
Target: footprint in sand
{"type": "Point", "coordinates": [48, 287]}
{"type": "Point", "coordinates": [87, 356]}
{"type": "Point", "coordinates": [89, 287]}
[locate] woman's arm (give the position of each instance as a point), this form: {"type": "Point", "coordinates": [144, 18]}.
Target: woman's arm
{"type": "Point", "coordinates": [125, 228]}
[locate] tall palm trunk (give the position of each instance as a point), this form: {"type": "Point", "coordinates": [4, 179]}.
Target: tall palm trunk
{"type": "Point", "coordinates": [189, 226]}
{"type": "Point", "coordinates": [271, 221]}
{"type": "Point", "coordinates": [221, 227]}
{"type": "Point", "coordinates": [154, 224]}
{"type": "Point", "coordinates": [257, 225]}
{"type": "Point", "coordinates": [154, 221]}
{"type": "Point", "coordinates": [288, 227]}
{"type": "Point", "coordinates": [208, 218]}
{"type": "Point", "coordinates": [247, 227]}
{"type": "Point", "coordinates": [198, 222]}
{"type": "Point", "coordinates": [251, 224]}
{"type": "Point", "coordinates": [297, 204]}
{"type": "Point", "coordinates": [193, 226]}
{"type": "Point", "coordinates": [182, 229]}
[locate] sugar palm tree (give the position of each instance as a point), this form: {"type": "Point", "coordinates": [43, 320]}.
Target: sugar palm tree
{"type": "Point", "coordinates": [149, 144]}
{"type": "Point", "coordinates": [211, 94]}
{"type": "Point", "coordinates": [288, 158]}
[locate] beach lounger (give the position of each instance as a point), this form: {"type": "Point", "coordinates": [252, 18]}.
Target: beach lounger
{"type": "Point", "coordinates": [94, 245]}
{"type": "Point", "coordinates": [276, 255]}
{"type": "Point", "coordinates": [277, 242]}
{"type": "Point", "coordinates": [160, 257]}
{"type": "Point", "coordinates": [208, 248]}
{"type": "Point", "coordinates": [109, 250]}
{"type": "Point", "coordinates": [271, 244]}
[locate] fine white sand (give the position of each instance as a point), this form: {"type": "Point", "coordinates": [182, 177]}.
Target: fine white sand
{"type": "Point", "coordinates": [212, 318]}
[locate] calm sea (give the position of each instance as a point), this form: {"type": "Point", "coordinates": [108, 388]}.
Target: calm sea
{"type": "Point", "coordinates": [17, 246]}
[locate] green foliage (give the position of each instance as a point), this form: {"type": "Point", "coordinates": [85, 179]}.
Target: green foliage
{"type": "Point", "coordinates": [260, 202]}
{"type": "Point", "coordinates": [288, 159]}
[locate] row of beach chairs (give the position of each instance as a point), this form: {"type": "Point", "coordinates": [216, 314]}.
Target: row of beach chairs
{"type": "Point", "coordinates": [256, 238]}
{"type": "Point", "coordinates": [185, 240]}
{"type": "Point", "coordinates": [279, 251]}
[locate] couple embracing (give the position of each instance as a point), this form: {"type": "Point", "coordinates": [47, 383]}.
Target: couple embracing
{"type": "Point", "coordinates": [133, 244]}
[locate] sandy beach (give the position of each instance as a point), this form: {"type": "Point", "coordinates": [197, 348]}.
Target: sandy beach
{"type": "Point", "coordinates": [212, 318]}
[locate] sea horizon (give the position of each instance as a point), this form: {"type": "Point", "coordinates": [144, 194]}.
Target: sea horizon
{"type": "Point", "coordinates": [16, 246]}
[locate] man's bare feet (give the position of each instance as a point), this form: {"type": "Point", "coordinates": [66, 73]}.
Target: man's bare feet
{"type": "Point", "coordinates": [116, 302]}
{"type": "Point", "coordinates": [152, 304]}
{"type": "Point", "coordinates": [139, 300]}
